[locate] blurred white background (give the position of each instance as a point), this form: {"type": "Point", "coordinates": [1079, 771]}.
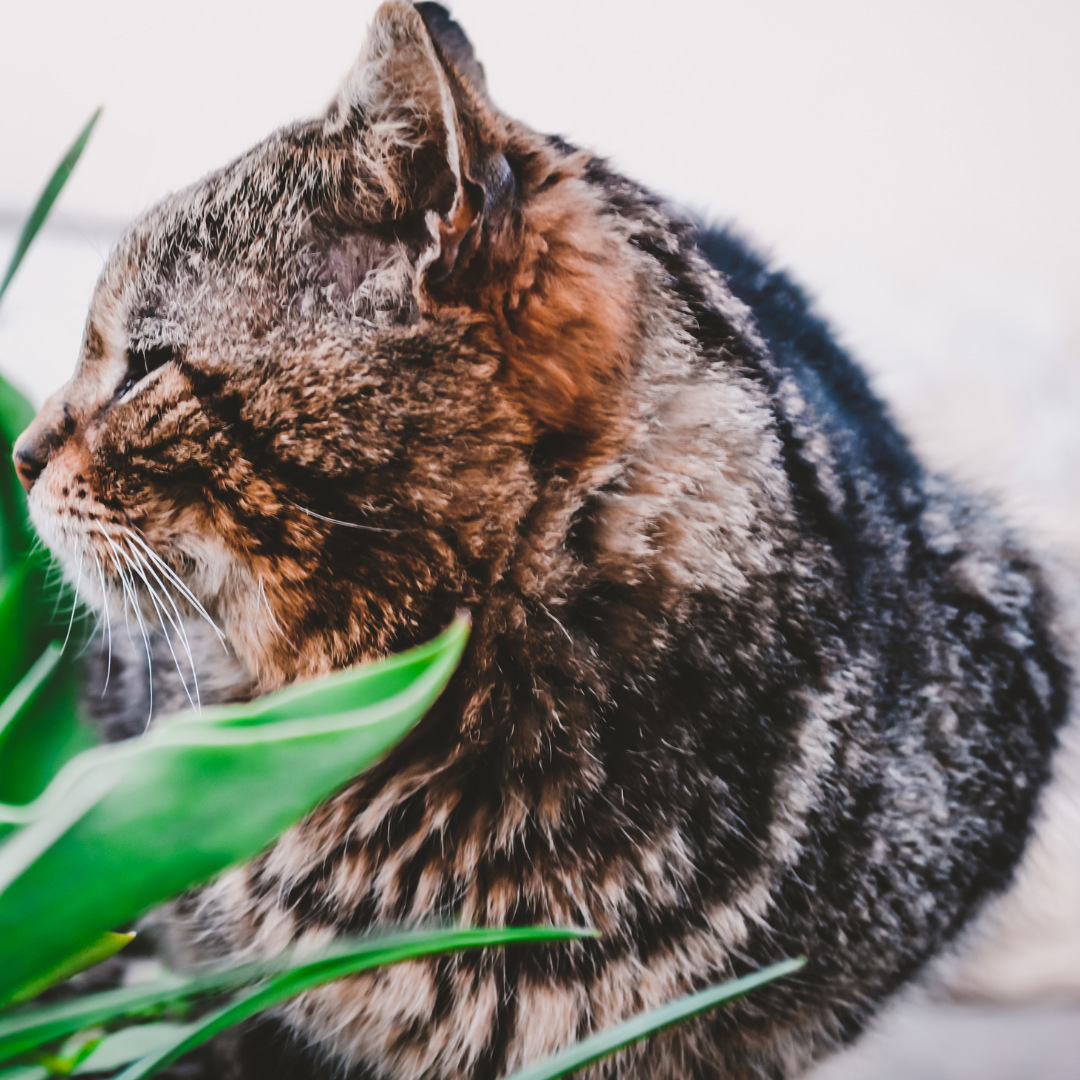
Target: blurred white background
{"type": "Point", "coordinates": [916, 164]}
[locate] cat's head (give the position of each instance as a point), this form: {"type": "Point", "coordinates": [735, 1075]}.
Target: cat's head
{"type": "Point", "coordinates": [312, 386]}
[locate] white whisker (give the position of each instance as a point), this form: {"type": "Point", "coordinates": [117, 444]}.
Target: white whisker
{"type": "Point", "coordinates": [75, 601]}
{"type": "Point", "coordinates": [178, 582]}
{"type": "Point", "coordinates": [346, 524]}
{"type": "Point", "coordinates": [139, 567]}
{"type": "Point", "coordinates": [136, 569]}
{"type": "Point", "coordinates": [108, 622]}
{"type": "Point", "coordinates": [129, 589]}
{"type": "Point", "coordinates": [270, 611]}
{"type": "Point", "coordinates": [54, 580]}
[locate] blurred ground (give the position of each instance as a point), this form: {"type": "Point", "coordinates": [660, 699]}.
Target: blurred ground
{"type": "Point", "coordinates": [981, 372]}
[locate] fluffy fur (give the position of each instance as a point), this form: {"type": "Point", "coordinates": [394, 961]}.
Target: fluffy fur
{"type": "Point", "coordinates": [744, 682]}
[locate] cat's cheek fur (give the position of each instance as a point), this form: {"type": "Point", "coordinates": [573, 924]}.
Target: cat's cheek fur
{"type": "Point", "coordinates": [62, 503]}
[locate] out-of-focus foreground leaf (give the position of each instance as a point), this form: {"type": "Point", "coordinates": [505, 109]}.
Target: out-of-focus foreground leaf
{"type": "Point", "coordinates": [16, 612]}
{"type": "Point", "coordinates": [127, 826]}
{"type": "Point", "coordinates": [45, 201]}
{"type": "Point", "coordinates": [41, 727]}
{"type": "Point", "coordinates": [40, 720]}
{"type": "Point", "coordinates": [16, 412]}
{"type": "Point", "coordinates": [641, 1027]}
{"type": "Point", "coordinates": [15, 532]}
{"type": "Point", "coordinates": [127, 1045]}
{"type": "Point", "coordinates": [106, 945]}
{"type": "Point", "coordinates": [25, 1072]}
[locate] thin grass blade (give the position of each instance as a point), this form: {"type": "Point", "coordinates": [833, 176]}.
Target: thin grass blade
{"type": "Point", "coordinates": [641, 1027]}
{"type": "Point", "coordinates": [45, 202]}
{"type": "Point", "coordinates": [128, 1045]}
{"type": "Point", "coordinates": [30, 1028]}
{"type": "Point", "coordinates": [285, 986]}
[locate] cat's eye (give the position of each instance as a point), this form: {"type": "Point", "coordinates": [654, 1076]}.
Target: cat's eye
{"type": "Point", "coordinates": [141, 362]}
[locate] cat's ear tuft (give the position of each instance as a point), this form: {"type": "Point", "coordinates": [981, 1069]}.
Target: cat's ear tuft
{"type": "Point", "coordinates": [454, 43]}
{"type": "Point", "coordinates": [423, 139]}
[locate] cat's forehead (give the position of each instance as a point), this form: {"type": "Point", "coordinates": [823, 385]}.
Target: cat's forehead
{"type": "Point", "coordinates": [234, 239]}
{"type": "Point", "coordinates": [247, 211]}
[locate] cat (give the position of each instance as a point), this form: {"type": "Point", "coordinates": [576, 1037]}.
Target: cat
{"type": "Point", "coordinates": [745, 681]}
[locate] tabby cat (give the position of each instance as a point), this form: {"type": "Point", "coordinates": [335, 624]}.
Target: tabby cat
{"type": "Point", "coordinates": [744, 681]}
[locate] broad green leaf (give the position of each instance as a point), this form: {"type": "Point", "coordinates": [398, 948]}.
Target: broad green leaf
{"type": "Point", "coordinates": [330, 967]}
{"type": "Point", "coordinates": [126, 826]}
{"type": "Point", "coordinates": [16, 412]}
{"type": "Point", "coordinates": [29, 1028]}
{"type": "Point", "coordinates": [41, 727]}
{"type": "Point", "coordinates": [15, 531]}
{"type": "Point", "coordinates": [17, 705]}
{"type": "Point", "coordinates": [15, 629]}
{"type": "Point", "coordinates": [106, 945]}
{"type": "Point", "coordinates": [45, 201]}
{"type": "Point", "coordinates": [640, 1027]}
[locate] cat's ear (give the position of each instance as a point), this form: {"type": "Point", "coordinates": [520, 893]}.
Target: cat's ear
{"type": "Point", "coordinates": [424, 140]}
{"type": "Point", "coordinates": [554, 288]}
{"type": "Point", "coordinates": [454, 43]}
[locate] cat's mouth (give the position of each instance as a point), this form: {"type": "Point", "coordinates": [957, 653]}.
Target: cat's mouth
{"type": "Point", "coordinates": [115, 570]}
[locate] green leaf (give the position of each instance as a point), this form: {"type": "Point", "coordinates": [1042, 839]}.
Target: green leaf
{"type": "Point", "coordinates": [15, 619]}
{"type": "Point", "coordinates": [126, 826]}
{"type": "Point", "coordinates": [640, 1027]}
{"type": "Point", "coordinates": [33, 1027]}
{"type": "Point", "coordinates": [324, 970]}
{"type": "Point", "coordinates": [41, 727]}
{"type": "Point", "coordinates": [67, 1059]}
{"type": "Point", "coordinates": [16, 412]}
{"type": "Point", "coordinates": [15, 530]}
{"type": "Point", "coordinates": [45, 201]}
{"type": "Point", "coordinates": [25, 1072]}
{"type": "Point", "coordinates": [129, 1044]}
{"type": "Point", "coordinates": [17, 705]}
{"type": "Point", "coordinates": [29, 1028]}
{"type": "Point", "coordinates": [106, 945]}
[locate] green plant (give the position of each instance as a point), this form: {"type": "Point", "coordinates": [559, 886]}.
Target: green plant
{"type": "Point", "coordinates": [40, 723]}
{"type": "Point", "coordinates": [92, 837]}
{"type": "Point", "coordinates": [258, 986]}
{"type": "Point", "coordinates": [45, 201]}
{"type": "Point", "coordinates": [126, 826]}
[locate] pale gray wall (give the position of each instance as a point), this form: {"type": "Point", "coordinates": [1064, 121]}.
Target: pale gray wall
{"type": "Point", "coordinates": [916, 162]}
